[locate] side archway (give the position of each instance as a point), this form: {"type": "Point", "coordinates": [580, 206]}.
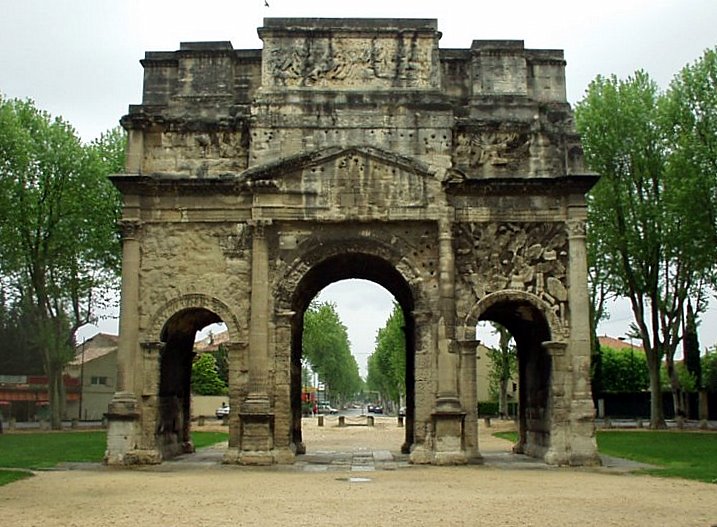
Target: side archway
{"type": "Point", "coordinates": [532, 324]}
{"type": "Point", "coordinates": [168, 366]}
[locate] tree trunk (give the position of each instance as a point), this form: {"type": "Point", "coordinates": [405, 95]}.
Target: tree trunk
{"type": "Point", "coordinates": [503, 399]}
{"type": "Point", "coordinates": [657, 417]}
{"type": "Point", "coordinates": [677, 400]}
{"type": "Point", "coordinates": [54, 391]}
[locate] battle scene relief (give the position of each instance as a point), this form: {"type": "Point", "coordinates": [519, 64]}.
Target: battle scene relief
{"type": "Point", "coordinates": [529, 257]}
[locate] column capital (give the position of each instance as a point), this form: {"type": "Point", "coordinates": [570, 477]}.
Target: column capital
{"type": "Point", "coordinates": [130, 229]}
{"type": "Point", "coordinates": [258, 226]}
{"type": "Point", "coordinates": [576, 228]}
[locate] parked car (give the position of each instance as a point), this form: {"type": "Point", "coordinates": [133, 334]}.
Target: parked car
{"type": "Point", "coordinates": [222, 411]}
{"type": "Point", "coordinates": [326, 408]}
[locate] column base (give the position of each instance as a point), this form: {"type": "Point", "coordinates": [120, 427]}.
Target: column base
{"type": "Point", "coordinates": [122, 430]}
{"type": "Point", "coordinates": [279, 456]}
{"type": "Point", "coordinates": [448, 442]}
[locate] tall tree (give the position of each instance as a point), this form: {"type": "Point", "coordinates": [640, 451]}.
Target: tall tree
{"type": "Point", "coordinates": [59, 249]}
{"type": "Point", "coordinates": [205, 376]}
{"type": "Point", "coordinates": [648, 229]}
{"type": "Point", "coordinates": [326, 347]}
{"type": "Point", "coordinates": [387, 364]}
{"type": "Point", "coordinates": [690, 120]}
{"type": "Point", "coordinates": [503, 365]}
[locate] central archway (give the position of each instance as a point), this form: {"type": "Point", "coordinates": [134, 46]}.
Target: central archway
{"type": "Point", "coordinates": [351, 265]}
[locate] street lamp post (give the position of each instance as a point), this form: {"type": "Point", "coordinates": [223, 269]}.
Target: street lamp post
{"type": "Point", "coordinates": [82, 380]}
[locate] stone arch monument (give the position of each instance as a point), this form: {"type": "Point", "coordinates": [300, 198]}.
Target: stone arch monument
{"type": "Point", "coordinates": [352, 149]}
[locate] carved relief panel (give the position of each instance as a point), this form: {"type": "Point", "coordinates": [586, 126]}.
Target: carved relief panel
{"type": "Point", "coordinates": [530, 257]}
{"type": "Point", "coordinates": [340, 62]}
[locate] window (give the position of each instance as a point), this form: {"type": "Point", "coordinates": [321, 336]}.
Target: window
{"type": "Point", "coordinates": [99, 380]}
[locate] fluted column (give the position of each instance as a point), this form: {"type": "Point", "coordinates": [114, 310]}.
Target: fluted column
{"type": "Point", "coordinates": [129, 309]}
{"type": "Point", "coordinates": [447, 358]}
{"type": "Point", "coordinates": [259, 321]}
{"type": "Point", "coordinates": [123, 431]}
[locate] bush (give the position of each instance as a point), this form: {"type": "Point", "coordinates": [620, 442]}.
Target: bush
{"type": "Point", "coordinates": [487, 408]}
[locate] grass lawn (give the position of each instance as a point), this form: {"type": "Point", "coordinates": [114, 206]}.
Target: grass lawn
{"type": "Point", "coordinates": [46, 450]}
{"type": "Point", "coordinates": [689, 455]}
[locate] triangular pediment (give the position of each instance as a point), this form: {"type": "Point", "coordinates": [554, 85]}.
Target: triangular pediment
{"type": "Point", "coordinates": [342, 178]}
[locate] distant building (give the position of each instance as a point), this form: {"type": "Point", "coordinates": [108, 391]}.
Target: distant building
{"type": "Point", "coordinates": [95, 368]}
{"type": "Point", "coordinates": [620, 343]}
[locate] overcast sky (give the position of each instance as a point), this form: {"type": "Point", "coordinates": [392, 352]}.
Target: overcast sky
{"type": "Point", "coordinates": [80, 59]}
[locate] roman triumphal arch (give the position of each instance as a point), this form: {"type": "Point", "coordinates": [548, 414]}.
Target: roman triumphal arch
{"type": "Point", "coordinates": [352, 148]}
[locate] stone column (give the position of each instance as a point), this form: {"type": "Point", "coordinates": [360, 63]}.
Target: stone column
{"type": "Point", "coordinates": [123, 412]}
{"type": "Point", "coordinates": [448, 417]}
{"type": "Point", "coordinates": [469, 397]}
{"type": "Point", "coordinates": [572, 435]}
{"type": "Point", "coordinates": [583, 446]}
{"type": "Point", "coordinates": [447, 359]}
{"type": "Point", "coordinates": [419, 419]}
{"type": "Point", "coordinates": [256, 419]}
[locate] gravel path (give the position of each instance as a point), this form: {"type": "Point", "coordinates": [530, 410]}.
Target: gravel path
{"type": "Point", "coordinates": [199, 492]}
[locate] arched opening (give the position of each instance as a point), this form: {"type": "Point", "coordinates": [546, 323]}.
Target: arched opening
{"type": "Point", "coordinates": [529, 328]}
{"type": "Point", "coordinates": [173, 430]}
{"type": "Point", "coordinates": [331, 270]}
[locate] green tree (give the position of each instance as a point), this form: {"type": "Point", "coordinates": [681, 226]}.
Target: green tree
{"type": "Point", "coordinates": [59, 249]}
{"type": "Point", "coordinates": [205, 377]}
{"type": "Point", "coordinates": [709, 370]}
{"type": "Point", "coordinates": [690, 120]}
{"type": "Point", "coordinates": [503, 366]}
{"type": "Point", "coordinates": [17, 355]}
{"type": "Point", "coordinates": [639, 211]}
{"type": "Point", "coordinates": [221, 357]}
{"type": "Point", "coordinates": [625, 371]}
{"type": "Point", "coordinates": [387, 364]}
{"type": "Point", "coordinates": [327, 349]}
{"type": "Point", "coordinates": [691, 347]}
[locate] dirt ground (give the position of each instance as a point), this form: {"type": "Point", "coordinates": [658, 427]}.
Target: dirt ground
{"type": "Point", "coordinates": [494, 494]}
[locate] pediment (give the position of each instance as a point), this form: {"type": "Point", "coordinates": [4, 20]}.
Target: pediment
{"type": "Point", "coordinates": [342, 178]}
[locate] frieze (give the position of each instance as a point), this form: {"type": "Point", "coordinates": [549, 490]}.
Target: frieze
{"type": "Point", "coordinates": [339, 63]}
{"type": "Point", "coordinates": [499, 149]}
{"type": "Point", "coordinates": [530, 257]}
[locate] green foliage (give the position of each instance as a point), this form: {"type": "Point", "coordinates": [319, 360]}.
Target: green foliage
{"type": "Point", "coordinates": [488, 408]}
{"type": "Point", "coordinates": [205, 379]}
{"type": "Point", "coordinates": [326, 347]}
{"type": "Point", "coordinates": [221, 357]}
{"type": "Point", "coordinates": [687, 380]}
{"type": "Point", "coordinates": [503, 366]}
{"type": "Point", "coordinates": [709, 370]}
{"type": "Point", "coordinates": [59, 248]}
{"type": "Point", "coordinates": [650, 237]}
{"type": "Point", "coordinates": [18, 355]}
{"type": "Point", "coordinates": [387, 364]}
{"type": "Point", "coordinates": [624, 371]}
{"type": "Point", "coordinates": [691, 348]}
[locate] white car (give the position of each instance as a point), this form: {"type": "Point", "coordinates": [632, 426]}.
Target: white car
{"type": "Point", "coordinates": [222, 411]}
{"type": "Point", "coordinates": [325, 408]}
